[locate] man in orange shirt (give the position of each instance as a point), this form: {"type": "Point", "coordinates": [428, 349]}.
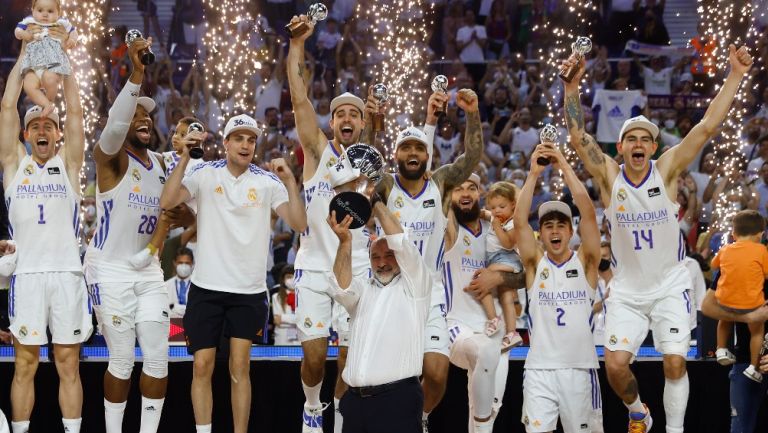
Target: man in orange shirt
{"type": "Point", "coordinates": [743, 266]}
{"type": "Point", "coordinates": [704, 61]}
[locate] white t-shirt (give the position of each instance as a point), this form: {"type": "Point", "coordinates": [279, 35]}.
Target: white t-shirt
{"type": "Point", "coordinates": [472, 53]}
{"type": "Point", "coordinates": [525, 140]}
{"type": "Point", "coordinates": [328, 41]}
{"type": "Point", "coordinates": [231, 218]}
{"type": "Point", "coordinates": [446, 147]}
{"type": "Point", "coordinates": [658, 83]}
{"type": "Point", "coordinates": [267, 95]}
{"type": "Point", "coordinates": [616, 106]}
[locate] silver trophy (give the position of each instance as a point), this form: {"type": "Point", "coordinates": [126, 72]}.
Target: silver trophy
{"type": "Point", "coordinates": [381, 96]}
{"type": "Point", "coordinates": [354, 198]}
{"type": "Point", "coordinates": [440, 84]}
{"type": "Point", "coordinates": [196, 150]}
{"type": "Point", "coordinates": [548, 135]}
{"type": "Point", "coordinates": [146, 55]}
{"type": "Point", "coordinates": [317, 12]}
{"type": "Point", "coordinates": [580, 48]}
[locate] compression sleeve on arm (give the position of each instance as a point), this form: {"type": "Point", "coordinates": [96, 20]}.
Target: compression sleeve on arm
{"type": "Point", "coordinates": [120, 117]}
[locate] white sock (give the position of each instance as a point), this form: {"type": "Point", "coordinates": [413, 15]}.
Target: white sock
{"type": "Point", "coordinates": [203, 428]}
{"type": "Point", "coordinates": [636, 406]}
{"type": "Point", "coordinates": [424, 416]}
{"type": "Point", "coordinates": [312, 394]}
{"type": "Point", "coordinates": [113, 416]}
{"type": "Point", "coordinates": [20, 426]}
{"type": "Point", "coordinates": [675, 402]}
{"type": "Point", "coordinates": [72, 425]}
{"type": "Point", "coordinates": [338, 420]}
{"type": "Point", "coordinates": [483, 426]}
{"type": "Point", "coordinates": [151, 411]}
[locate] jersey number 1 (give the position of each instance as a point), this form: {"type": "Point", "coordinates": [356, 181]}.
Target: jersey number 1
{"type": "Point", "coordinates": [645, 236]}
{"type": "Point", "coordinates": [42, 215]}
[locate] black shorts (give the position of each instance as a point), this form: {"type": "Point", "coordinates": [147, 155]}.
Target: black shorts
{"type": "Point", "coordinates": [209, 313]}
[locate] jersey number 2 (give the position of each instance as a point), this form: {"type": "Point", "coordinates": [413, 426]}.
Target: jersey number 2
{"type": "Point", "coordinates": [560, 314]}
{"type": "Point", "coordinates": [646, 236]}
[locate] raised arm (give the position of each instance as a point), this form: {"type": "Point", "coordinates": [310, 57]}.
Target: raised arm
{"type": "Point", "coordinates": [74, 131]}
{"type": "Point", "coordinates": [342, 264]}
{"type": "Point", "coordinates": [174, 193]}
{"type": "Point", "coordinates": [451, 175]}
{"type": "Point", "coordinates": [530, 253]}
{"type": "Point", "coordinates": [311, 136]}
{"type": "Point", "coordinates": [600, 166]}
{"type": "Point", "coordinates": [672, 162]}
{"type": "Point", "coordinates": [10, 147]}
{"type": "Point", "coordinates": [292, 212]}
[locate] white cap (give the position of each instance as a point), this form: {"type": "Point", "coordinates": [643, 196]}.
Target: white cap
{"type": "Point", "coordinates": [35, 111]}
{"type": "Point", "coordinates": [554, 206]}
{"type": "Point", "coordinates": [411, 133]}
{"type": "Point", "coordinates": [347, 98]}
{"type": "Point", "coordinates": [474, 178]}
{"type": "Point", "coordinates": [686, 76]}
{"type": "Point", "coordinates": [146, 102]}
{"type": "Point", "coordinates": [240, 122]}
{"type": "Point", "coordinates": [640, 122]}
{"type": "Point", "coordinates": [342, 172]}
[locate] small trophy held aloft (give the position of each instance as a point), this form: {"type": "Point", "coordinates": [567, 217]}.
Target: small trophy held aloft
{"type": "Point", "coordinates": [317, 12]}
{"type": "Point", "coordinates": [196, 150]}
{"type": "Point", "coordinates": [440, 84]}
{"type": "Point", "coordinates": [580, 48]}
{"type": "Point", "coordinates": [147, 56]}
{"type": "Point", "coordinates": [548, 135]}
{"type": "Point", "coordinates": [381, 95]}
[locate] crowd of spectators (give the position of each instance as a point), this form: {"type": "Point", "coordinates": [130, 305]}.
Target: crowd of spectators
{"type": "Point", "coordinates": [491, 46]}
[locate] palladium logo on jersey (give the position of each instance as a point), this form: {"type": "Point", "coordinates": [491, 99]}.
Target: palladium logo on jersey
{"type": "Point", "coordinates": [37, 190]}
{"type": "Point", "coordinates": [648, 217]}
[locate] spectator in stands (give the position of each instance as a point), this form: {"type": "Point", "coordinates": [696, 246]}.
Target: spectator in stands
{"type": "Point", "coordinates": [621, 25]}
{"type": "Point", "coordinates": [192, 16]}
{"type": "Point", "coordinates": [499, 28]}
{"type": "Point", "coordinates": [119, 58]}
{"type": "Point", "coordinates": [652, 30]}
{"type": "Point", "coordinates": [452, 22]}
{"type": "Point", "coordinates": [327, 40]}
{"type": "Point", "coordinates": [762, 190]}
{"type": "Point", "coordinates": [178, 285]}
{"type": "Point", "coordinates": [283, 309]}
{"type": "Point", "coordinates": [471, 39]}
{"type": "Point", "coordinates": [624, 73]}
{"type": "Point", "coordinates": [148, 10]}
{"type": "Point", "coordinates": [658, 76]}
{"type": "Point", "coordinates": [704, 61]}
{"type": "Point", "coordinates": [657, 7]}
{"type": "Point", "coordinates": [279, 13]}
{"type": "Point", "coordinates": [525, 137]}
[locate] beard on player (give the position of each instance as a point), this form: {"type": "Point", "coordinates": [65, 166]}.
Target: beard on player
{"type": "Point", "coordinates": [465, 215]}
{"type": "Point", "coordinates": [412, 169]}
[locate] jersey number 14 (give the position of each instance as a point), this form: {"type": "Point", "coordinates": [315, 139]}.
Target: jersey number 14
{"type": "Point", "coordinates": [643, 236]}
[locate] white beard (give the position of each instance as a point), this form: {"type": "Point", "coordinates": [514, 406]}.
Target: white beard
{"type": "Point", "coordinates": [386, 279]}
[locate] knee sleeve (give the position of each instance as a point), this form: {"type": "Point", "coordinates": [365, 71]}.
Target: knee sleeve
{"type": "Point", "coordinates": [153, 339]}
{"type": "Point", "coordinates": [121, 354]}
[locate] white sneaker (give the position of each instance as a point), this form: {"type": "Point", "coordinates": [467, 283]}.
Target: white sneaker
{"type": "Point", "coordinates": [312, 420]}
{"type": "Point", "coordinates": [753, 374]}
{"type": "Point", "coordinates": [142, 259]}
{"type": "Point", "coordinates": [725, 357]}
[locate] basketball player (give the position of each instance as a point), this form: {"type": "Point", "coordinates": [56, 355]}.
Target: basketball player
{"type": "Point", "coordinates": [318, 243]}
{"type": "Point", "coordinates": [235, 200]}
{"type": "Point", "coordinates": [42, 192]}
{"type": "Point", "coordinates": [421, 205]}
{"type": "Point", "coordinates": [561, 366]}
{"type": "Point", "coordinates": [470, 348]}
{"type": "Point", "coordinates": [650, 281]}
{"type": "Point", "coordinates": [130, 303]}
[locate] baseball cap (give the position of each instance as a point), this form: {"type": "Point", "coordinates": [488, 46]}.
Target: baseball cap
{"type": "Point", "coordinates": [240, 122]}
{"type": "Point", "coordinates": [474, 178]}
{"type": "Point", "coordinates": [554, 206]}
{"type": "Point", "coordinates": [347, 98]}
{"type": "Point", "coordinates": [411, 133]}
{"type": "Point", "coordinates": [146, 102]}
{"type": "Point", "coordinates": [640, 122]}
{"type": "Point", "coordinates": [36, 111]}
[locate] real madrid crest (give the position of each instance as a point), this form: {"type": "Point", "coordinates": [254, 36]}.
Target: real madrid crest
{"type": "Point", "coordinates": [331, 162]}
{"type": "Point", "coordinates": [252, 194]}
{"type": "Point", "coordinates": [136, 175]}
{"type": "Point", "coordinates": [307, 322]}
{"type": "Point", "coordinates": [467, 242]}
{"type": "Point", "coordinates": [544, 273]}
{"type": "Point", "coordinates": [116, 321]}
{"type": "Point", "coordinates": [399, 202]}
{"type": "Point", "coordinates": [622, 194]}
{"type": "Point", "coordinates": [23, 331]}
{"type": "Point", "coordinates": [28, 170]}
{"type": "Point", "coordinates": [613, 340]}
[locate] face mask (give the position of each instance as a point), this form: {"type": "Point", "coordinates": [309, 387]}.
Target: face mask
{"type": "Point", "coordinates": [669, 123]}
{"type": "Point", "coordinates": [290, 283]}
{"type": "Point", "coordinates": [604, 265]}
{"type": "Point", "coordinates": [183, 270]}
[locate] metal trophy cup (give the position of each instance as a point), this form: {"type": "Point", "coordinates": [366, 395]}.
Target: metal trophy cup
{"type": "Point", "coordinates": [548, 135]}
{"type": "Point", "coordinates": [440, 84]}
{"type": "Point", "coordinates": [317, 12]}
{"type": "Point", "coordinates": [580, 48]}
{"type": "Point", "coordinates": [381, 96]}
{"type": "Point", "coordinates": [147, 56]}
{"type": "Point", "coordinates": [196, 151]}
{"type": "Point", "coordinates": [353, 197]}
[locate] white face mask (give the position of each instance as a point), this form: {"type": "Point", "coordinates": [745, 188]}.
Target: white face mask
{"type": "Point", "coordinates": [669, 123]}
{"type": "Point", "coordinates": [290, 283]}
{"type": "Point", "coordinates": [183, 270]}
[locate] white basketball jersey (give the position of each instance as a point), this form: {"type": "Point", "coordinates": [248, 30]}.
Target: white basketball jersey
{"type": "Point", "coordinates": [127, 216]}
{"type": "Point", "coordinates": [459, 266]}
{"type": "Point", "coordinates": [422, 218]}
{"type": "Point", "coordinates": [646, 243]}
{"type": "Point", "coordinates": [559, 310]}
{"type": "Point", "coordinates": [44, 217]}
{"type": "Point", "coordinates": [171, 160]}
{"type": "Point", "coordinates": [318, 244]}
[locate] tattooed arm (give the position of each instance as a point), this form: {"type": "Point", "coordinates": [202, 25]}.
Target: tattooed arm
{"type": "Point", "coordinates": [311, 137]}
{"type": "Point", "coordinates": [450, 175]}
{"type": "Point", "coordinates": [603, 168]}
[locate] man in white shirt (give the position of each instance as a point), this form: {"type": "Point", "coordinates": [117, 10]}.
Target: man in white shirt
{"type": "Point", "coordinates": [178, 285]}
{"type": "Point", "coordinates": [471, 39]}
{"type": "Point", "coordinates": [235, 199]}
{"type": "Point", "coordinates": [384, 362]}
{"type": "Point", "coordinates": [524, 136]}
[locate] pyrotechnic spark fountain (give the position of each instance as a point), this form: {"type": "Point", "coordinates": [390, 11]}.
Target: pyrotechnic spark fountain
{"type": "Point", "coordinates": [400, 38]}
